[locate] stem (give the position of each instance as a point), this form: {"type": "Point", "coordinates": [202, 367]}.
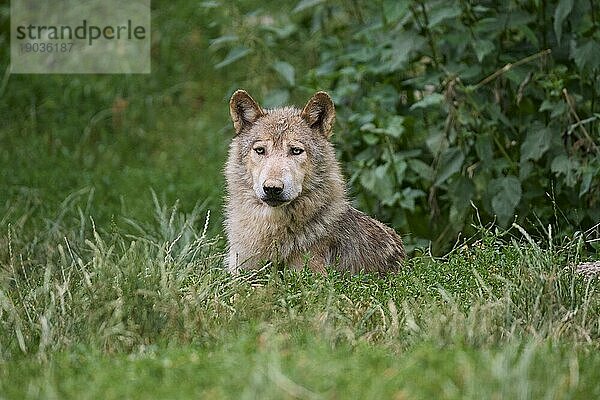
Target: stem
{"type": "Point", "coordinates": [504, 153]}
{"type": "Point", "coordinates": [576, 125]}
{"type": "Point", "coordinates": [579, 122]}
{"type": "Point", "coordinates": [424, 29]}
{"type": "Point", "coordinates": [391, 151]}
{"type": "Point", "coordinates": [429, 35]}
{"type": "Point", "coordinates": [594, 94]}
{"type": "Point", "coordinates": [510, 66]}
{"type": "Point", "coordinates": [544, 25]}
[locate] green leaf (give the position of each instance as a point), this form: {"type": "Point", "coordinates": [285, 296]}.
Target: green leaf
{"type": "Point", "coordinates": [215, 43]}
{"type": "Point", "coordinates": [399, 167]}
{"type": "Point", "coordinates": [586, 181]}
{"type": "Point", "coordinates": [525, 169]}
{"type": "Point", "coordinates": [370, 138]}
{"type": "Point", "coordinates": [483, 48]}
{"type": "Point", "coordinates": [569, 167]}
{"type": "Point", "coordinates": [424, 171]}
{"type": "Point", "coordinates": [436, 143]}
{"type": "Point", "coordinates": [530, 35]}
{"type": "Point", "coordinates": [378, 181]}
{"type": "Point", "coordinates": [409, 195]}
{"type": "Point", "coordinates": [210, 4]}
{"type": "Point", "coordinates": [233, 55]}
{"type": "Point", "coordinates": [450, 163]}
{"type": "Point", "coordinates": [395, 126]}
{"type": "Point", "coordinates": [405, 44]}
{"type": "Point", "coordinates": [448, 10]}
{"type": "Point", "coordinates": [393, 10]}
{"type": "Point", "coordinates": [497, 113]}
{"type": "Point", "coordinates": [276, 98]}
{"type": "Point", "coordinates": [484, 148]}
{"type": "Point", "coordinates": [556, 108]}
{"type": "Point", "coordinates": [282, 32]}
{"type": "Point", "coordinates": [506, 198]}
{"type": "Point", "coordinates": [306, 4]}
{"type": "Point", "coordinates": [587, 55]}
{"type": "Point", "coordinates": [460, 193]}
{"type": "Point", "coordinates": [536, 143]}
{"type": "Point", "coordinates": [563, 9]}
{"type": "Point", "coordinates": [286, 71]}
{"type": "Point", "coordinates": [430, 100]}
{"type": "Point", "coordinates": [561, 164]}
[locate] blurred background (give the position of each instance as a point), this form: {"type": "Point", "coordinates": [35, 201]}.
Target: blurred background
{"type": "Point", "coordinates": [450, 114]}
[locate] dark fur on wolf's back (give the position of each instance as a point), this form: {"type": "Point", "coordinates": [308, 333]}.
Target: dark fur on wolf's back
{"type": "Point", "coordinates": [286, 199]}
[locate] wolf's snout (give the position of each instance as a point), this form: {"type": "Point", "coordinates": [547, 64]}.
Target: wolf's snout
{"type": "Point", "coordinates": [273, 187]}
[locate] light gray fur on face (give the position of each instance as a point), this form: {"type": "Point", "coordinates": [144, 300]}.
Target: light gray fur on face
{"type": "Point", "coordinates": [276, 168]}
{"type": "Point", "coordinates": [277, 134]}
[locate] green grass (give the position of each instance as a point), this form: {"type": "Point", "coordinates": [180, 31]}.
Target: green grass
{"type": "Point", "coordinates": [316, 370]}
{"type": "Point", "coordinates": [147, 311]}
{"type": "Point", "coordinates": [118, 136]}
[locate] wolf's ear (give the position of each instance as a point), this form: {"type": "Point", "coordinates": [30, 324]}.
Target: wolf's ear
{"type": "Point", "coordinates": [244, 111]}
{"type": "Point", "coordinates": [319, 113]}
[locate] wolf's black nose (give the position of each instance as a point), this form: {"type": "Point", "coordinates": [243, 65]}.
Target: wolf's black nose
{"type": "Point", "coordinates": [273, 187]}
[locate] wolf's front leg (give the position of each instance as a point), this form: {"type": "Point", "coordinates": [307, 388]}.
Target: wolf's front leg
{"type": "Point", "coordinates": [314, 262]}
{"type": "Point", "coordinates": [238, 259]}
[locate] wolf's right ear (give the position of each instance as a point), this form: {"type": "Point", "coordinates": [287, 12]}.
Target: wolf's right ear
{"type": "Point", "coordinates": [244, 111]}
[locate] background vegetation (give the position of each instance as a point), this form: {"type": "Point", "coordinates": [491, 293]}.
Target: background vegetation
{"type": "Point", "coordinates": [453, 117]}
{"type": "Point", "coordinates": [447, 109]}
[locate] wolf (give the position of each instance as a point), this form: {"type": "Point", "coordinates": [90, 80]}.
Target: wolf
{"type": "Point", "coordinates": [286, 199]}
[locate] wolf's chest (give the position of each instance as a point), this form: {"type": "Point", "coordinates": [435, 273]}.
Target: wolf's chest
{"type": "Point", "coordinates": [276, 236]}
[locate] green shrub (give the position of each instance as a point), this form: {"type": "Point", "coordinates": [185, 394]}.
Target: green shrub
{"type": "Point", "coordinates": [447, 110]}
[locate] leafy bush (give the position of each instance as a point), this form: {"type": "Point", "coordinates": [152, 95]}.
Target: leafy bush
{"type": "Point", "coordinates": [444, 104]}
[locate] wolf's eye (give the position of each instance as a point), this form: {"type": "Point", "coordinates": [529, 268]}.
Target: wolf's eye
{"type": "Point", "coordinates": [259, 150]}
{"type": "Point", "coordinates": [296, 151]}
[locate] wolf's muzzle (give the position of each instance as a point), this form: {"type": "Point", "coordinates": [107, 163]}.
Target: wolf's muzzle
{"type": "Point", "coordinates": [273, 189]}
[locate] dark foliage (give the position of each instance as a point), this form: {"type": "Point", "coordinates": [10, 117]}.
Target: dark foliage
{"type": "Point", "coordinates": [449, 112]}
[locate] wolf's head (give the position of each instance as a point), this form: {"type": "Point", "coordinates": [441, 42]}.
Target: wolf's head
{"type": "Point", "coordinates": [282, 149]}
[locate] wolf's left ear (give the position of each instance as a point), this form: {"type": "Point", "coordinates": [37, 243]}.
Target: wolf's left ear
{"type": "Point", "coordinates": [319, 113]}
{"type": "Point", "coordinates": [244, 111]}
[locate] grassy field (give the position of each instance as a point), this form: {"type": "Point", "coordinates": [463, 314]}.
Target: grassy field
{"type": "Point", "coordinates": [111, 252]}
{"type": "Point", "coordinates": [148, 312]}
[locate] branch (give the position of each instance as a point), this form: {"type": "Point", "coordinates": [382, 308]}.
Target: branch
{"type": "Point", "coordinates": [508, 67]}
{"type": "Point", "coordinates": [580, 123]}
